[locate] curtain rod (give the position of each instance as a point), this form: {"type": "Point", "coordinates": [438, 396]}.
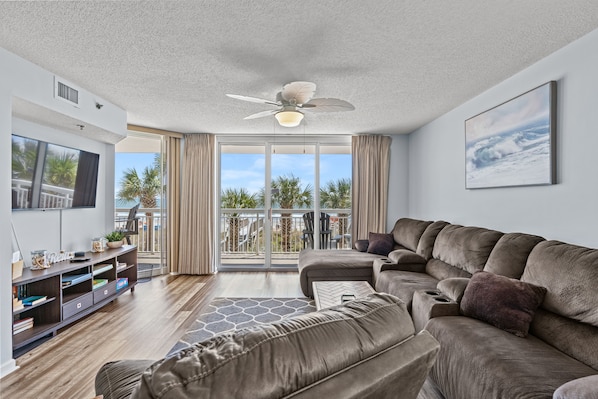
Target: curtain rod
{"type": "Point", "coordinates": [143, 129]}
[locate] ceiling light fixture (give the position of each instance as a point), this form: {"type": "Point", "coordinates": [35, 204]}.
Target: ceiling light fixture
{"type": "Point", "coordinates": [288, 118]}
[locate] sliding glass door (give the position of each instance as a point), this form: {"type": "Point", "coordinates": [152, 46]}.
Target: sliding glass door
{"type": "Point", "coordinates": [270, 201]}
{"type": "Point", "coordinates": [139, 181]}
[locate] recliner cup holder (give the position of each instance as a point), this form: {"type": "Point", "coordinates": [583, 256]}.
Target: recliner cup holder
{"type": "Point", "coordinates": [433, 293]}
{"type": "Point", "coordinates": [440, 299]}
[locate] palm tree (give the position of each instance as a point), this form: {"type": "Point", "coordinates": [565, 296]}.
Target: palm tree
{"type": "Point", "coordinates": [236, 198]}
{"type": "Point", "coordinates": [23, 158]}
{"type": "Point", "coordinates": [288, 194]}
{"type": "Point", "coordinates": [145, 189]}
{"type": "Point", "coordinates": [337, 195]}
{"type": "Point", "coordinates": [62, 170]}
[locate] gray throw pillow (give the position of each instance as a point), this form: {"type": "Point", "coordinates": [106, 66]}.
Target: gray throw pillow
{"type": "Point", "coordinates": [504, 302]}
{"type": "Point", "coordinates": [381, 243]}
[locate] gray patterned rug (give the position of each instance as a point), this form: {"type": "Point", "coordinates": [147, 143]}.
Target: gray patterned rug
{"type": "Point", "coordinates": [226, 314]}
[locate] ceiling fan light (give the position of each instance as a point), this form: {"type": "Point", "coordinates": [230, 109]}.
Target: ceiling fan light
{"type": "Point", "coordinates": [289, 118]}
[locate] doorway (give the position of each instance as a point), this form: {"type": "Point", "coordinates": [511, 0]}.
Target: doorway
{"type": "Point", "coordinates": [139, 180]}
{"type": "Point", "coordinates": [267, 189]}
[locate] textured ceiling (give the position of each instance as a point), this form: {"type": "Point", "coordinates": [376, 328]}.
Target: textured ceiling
{"type": "Point", "coordinates": [401, 63]}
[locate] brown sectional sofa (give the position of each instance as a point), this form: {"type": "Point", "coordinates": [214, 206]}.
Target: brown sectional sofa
{"type": "Point", "coordinates": [516, 316]}
{"type": "Point", "coordinates": [558, 358]}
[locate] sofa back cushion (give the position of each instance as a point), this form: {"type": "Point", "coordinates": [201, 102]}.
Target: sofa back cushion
{"type": "Point", "coordinates": [465, 248]}
{"type": "Point", "coordinates": [271, 361]}
{"type": "Point", "coordinates": [570, 274]}
{"type": "Point", "coordinates": [426, 241]}
{"type": "Point", "coordinates": [568, 317]}
{"type": "Point", "coordinates": [407, 232]}
{"type": "Point", "coordinates": [510, 254]}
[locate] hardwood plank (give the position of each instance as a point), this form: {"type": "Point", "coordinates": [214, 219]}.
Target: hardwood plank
{"type": "Point", "coordinates": [144, 324]}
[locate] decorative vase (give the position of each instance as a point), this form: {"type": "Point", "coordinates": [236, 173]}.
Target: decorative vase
{"type": "Point", "coordinates": [115, 244]}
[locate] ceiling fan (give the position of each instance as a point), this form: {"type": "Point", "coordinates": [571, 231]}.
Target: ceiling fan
{"type": "Point", "coordinates": [294, 98]}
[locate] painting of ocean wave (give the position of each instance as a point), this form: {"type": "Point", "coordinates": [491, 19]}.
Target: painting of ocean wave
{"type": "Point", "coordinates": [513, 143]}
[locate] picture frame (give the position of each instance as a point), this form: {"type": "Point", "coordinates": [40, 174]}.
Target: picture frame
{"type": "Point", "coordinates": [513, 143]}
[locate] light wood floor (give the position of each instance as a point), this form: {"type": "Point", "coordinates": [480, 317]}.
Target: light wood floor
{"type": "Point", "coordinates": [140, 325]}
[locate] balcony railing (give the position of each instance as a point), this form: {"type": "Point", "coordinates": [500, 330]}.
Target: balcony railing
{"type": "Point", "coordinates": [242, 231]}
{"type": "Point", "coordinates": [51, 196]}
{"type": "Point", "coordinates": [149, 240]}
{"type": "Point", "coordinates": [242, 234]}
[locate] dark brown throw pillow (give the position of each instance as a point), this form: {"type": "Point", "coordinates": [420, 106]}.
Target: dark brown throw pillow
{"type": "Point", "coordinates": [504, 302]}
{"type": "Point", "coordinates": [380, 243]}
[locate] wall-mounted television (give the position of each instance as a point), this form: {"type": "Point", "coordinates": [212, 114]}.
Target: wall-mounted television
{"type": "Point", "coordinates": [51, 176]}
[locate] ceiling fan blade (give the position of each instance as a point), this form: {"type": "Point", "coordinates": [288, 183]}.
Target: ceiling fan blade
{"type": "Point", "coordinates": [327, 105]}
{"type": "Point", "coordinates": [298, 92]}
{"type": "Point", "coordinates": [253, 99]}
{"type": "Point", "coordinates": [262, 114]}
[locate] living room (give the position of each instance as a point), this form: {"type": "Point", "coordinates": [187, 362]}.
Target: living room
{"type": "Point", "coordinates": [427, 179]}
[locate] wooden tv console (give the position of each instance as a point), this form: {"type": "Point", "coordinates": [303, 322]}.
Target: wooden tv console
{"type": "Point", "coordinates": [71, 292]}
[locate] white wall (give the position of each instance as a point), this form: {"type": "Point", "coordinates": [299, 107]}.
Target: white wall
{"type": "Point", "coordinates": [398, 199]}
{"type": "Point", "coordinates": [22, 79]}
{"type": "Point", "coordinates": [566, 211]}
{"type": "Point", "coordinates": [69, 229]}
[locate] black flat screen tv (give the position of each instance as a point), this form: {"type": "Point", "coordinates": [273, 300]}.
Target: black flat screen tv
{"type": "Point", "coordinates": [51, 176]}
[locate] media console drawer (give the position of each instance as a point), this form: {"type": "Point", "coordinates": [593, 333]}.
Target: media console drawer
{"type": "Point", "coordinates": [104, 292]}
{"type": "Point", "coordinates": [77, 305]}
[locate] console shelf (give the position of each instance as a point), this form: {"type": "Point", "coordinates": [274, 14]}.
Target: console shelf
{"type": "Point", "coordinates": [70, 292]}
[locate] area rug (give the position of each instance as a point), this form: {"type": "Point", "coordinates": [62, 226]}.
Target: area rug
{"type": "Point", "coordinates": [226, 314]}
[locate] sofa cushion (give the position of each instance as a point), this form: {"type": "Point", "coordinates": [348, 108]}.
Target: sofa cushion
{"type": "Point", "coordinates": [570, 273]}
{"type": "Point", "coordinates": [466, 248]}
{"type": "Point", "coordinates": [281, 358]}
{"type": "Point", "coordinates": [477, 360]}
{"type": "Point", "coordinates": [380, 243]}
{"type": "Point", "coordinates": [510, 254]}
{"type": "Point", "coordinates": [426, 242]}
{"type": "Point", "coordinates": [333, 265]}
{"type": "Point", "coordinates": [407, 232]}
{"type": "Point", "coordinates": [504, 302]}
{"type": "Point", "coordinates": [403, 284]}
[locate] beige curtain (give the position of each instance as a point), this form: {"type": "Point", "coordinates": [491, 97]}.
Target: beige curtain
{"type": "Point", "coordinates": [196, 246]}
{"type": "Point", "coordinates": [371, 160]}
{"type": "Point", "coordinates": [173, 206]}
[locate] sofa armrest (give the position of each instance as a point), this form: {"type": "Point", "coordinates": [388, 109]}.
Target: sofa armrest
{"type": "Point", "coordinates": [586, 388]}
{"type": "Point", "coordinates": [407, 260]}
{"type": "Point", "coordinates": [361, 245]}
{"type": "Point", "coordinates": [116, 380]}
{"type": "Point", "coordinates": [428, 304]}
{"type": "Point", "coordinates": [410, 262]}
{"type": "Point", "coordinates": [453, 287]}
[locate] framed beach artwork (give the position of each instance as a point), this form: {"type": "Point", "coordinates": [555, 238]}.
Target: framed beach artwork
{"type": "Point", "coordinates": [513, 144]}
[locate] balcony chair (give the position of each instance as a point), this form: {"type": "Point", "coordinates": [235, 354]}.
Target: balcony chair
{"type": "Point", "coordinates": [130, 225]}
{"type": "Point", "coordinates": [308, 233]}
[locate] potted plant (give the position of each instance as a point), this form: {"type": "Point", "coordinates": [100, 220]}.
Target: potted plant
{"type": "Point", "coordinates": [115, 239]}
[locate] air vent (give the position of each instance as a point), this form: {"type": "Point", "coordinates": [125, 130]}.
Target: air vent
{"type": "Point", "coordinates": [65, 92]}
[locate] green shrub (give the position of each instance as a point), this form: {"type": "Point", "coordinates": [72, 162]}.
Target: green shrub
{"type": "Point", "coordinates": [115, 235]}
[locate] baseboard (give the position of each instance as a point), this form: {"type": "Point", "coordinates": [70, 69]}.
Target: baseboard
{"type": "Point", "coordinates": [8, 367]}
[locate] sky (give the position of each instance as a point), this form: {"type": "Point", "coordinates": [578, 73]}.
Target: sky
{"type": "Point", "coordinates": [247, 170]}
{"type": "Point", "coordinates": [520, 111]}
